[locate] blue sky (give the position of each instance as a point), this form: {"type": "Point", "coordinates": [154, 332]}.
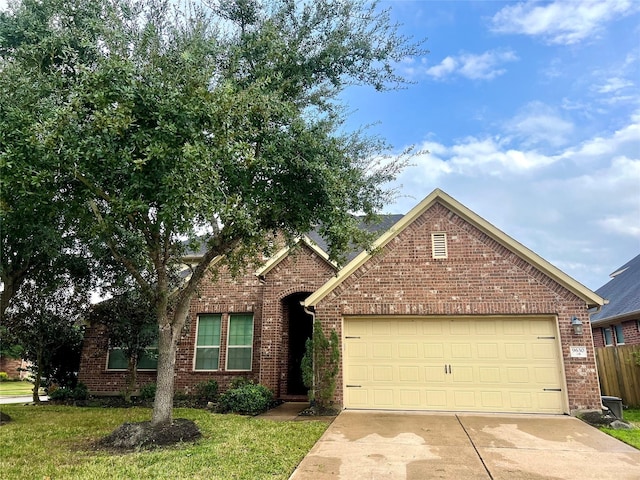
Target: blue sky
{"type": "Point", "coordinates": [530, 112]}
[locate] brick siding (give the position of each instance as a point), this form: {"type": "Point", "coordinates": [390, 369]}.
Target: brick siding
{"type": "Point", "coordinates": [630, 330]}
{"type": "Point", "coordinates": [302, 271]}
{"type": "Point", "coordinates": [479, 277]}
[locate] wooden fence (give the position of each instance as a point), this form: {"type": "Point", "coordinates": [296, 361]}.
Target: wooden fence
{"type": "Point", "coordinates": [619, 373]}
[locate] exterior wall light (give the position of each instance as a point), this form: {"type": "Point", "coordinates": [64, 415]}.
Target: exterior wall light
{"type": "Point", "coordinates": [577, 325]}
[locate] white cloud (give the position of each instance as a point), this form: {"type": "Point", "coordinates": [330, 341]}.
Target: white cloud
{"type": "Point", "coordinates": [484, 66]}
{"type": "Point", "coordinates": [614, 84]}
{"type": "Point", "coordinates": [539, 124]}
{"type": "Point", "coordinates": [561, 22]}
{"type": "Point", "coordinates": [578, 209]}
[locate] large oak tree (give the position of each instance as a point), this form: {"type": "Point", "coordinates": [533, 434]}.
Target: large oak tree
{"type": "Point", "coordinates": [223, 119]}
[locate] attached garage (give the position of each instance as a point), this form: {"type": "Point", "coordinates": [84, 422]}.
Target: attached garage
{"type": "Point", "coordinates": [484, 364]}
{"type": "Point", "coordinates": [447, 312]}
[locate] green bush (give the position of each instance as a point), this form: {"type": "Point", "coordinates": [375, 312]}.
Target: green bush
{"type": "Point", "coordinates": [148, 391]}
{"type": "Point", "coordinates": [237, 382]}
{"type": "Point", "coordinates": [249, 399]}
{"type": "Point", "coordinates": [207, 391]}
{"type": "Point", "coordinates": [79, 392]}
{"type": "Point", "coordinates": [4, 377]}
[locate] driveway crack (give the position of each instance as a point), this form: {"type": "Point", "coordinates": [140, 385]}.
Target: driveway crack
{"type": "Point", "coordinates": [475, 448]}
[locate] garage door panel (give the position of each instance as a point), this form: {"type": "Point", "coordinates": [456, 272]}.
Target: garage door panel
{"type": "Point", "coordinates": [493, 364]}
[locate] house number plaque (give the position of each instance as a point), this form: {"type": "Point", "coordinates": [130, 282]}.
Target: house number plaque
{"type": "Point", "coordinates": [578, 352]}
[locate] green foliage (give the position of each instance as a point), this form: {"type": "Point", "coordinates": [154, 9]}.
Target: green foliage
{"type": "Point", "coordinates": [148, 391]}
{"type": "Point", "coordinates": [320, 366]}
{"type": "Point", "coordinates": [4, 377]}
{"type": "Point", "coordinates": [131, 326]}
{"type": "Point", "coordinates": [249, 399]}
{"type": "Point", "coordinates": [207, 391]}
{"type": "Point", "coordinates": [63, 394]}
{"type": "Point", "coordinates": [237, 382]}
{"type": "Point", "coordinates": [45, 321]}
{"type": "Point", "coordinates": [146, 124]}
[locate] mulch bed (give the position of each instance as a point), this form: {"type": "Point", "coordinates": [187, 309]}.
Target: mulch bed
{"type": "Point", "coordinates": [131, 437]}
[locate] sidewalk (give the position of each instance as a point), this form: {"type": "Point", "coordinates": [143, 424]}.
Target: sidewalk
{"type": "Point", "coordinates": [6, 400]}
{"type": "Point", "coordinates": [290, 411]}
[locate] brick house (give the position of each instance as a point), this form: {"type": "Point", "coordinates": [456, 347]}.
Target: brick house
{"type": "Point", "coordinates": [618, 322]}
{"type": "Point", "coordinates": [449, 313]}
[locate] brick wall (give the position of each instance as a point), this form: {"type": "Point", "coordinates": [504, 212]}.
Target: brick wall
{"type": "Point", "coordinates": [302, 271]}
{"type": "Point", "coordinates": [479, 277]}
{"type": "Point", "coordinates": [630, 331]}
{"type": "Point", "coordinates": [14, 367]}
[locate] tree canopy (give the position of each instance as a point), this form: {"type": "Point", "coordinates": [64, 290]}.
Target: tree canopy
{"type": "Point", "coordinates": [161, 123]}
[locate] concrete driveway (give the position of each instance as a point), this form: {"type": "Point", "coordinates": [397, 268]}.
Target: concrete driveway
{"type": "Point", "coordinates": [415, 446]}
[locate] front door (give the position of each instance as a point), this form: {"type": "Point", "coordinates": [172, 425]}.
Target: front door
{"type": "Point", "coordinates": [300, 329]}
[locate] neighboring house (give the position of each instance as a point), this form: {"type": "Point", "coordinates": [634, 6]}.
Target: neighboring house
{"type": "Point", "coordinates": [16, 368]}
{"type": "Point", "coordinates": [449, 313]}
{"type": "Point", "coordinates": [618, 322]}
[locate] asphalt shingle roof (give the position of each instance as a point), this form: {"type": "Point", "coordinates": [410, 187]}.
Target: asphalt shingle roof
{"type": "Point", "coordinates": [622, 291]}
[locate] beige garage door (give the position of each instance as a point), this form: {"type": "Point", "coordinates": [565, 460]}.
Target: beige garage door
{"type": "Point", "coordinates": [489, 364]}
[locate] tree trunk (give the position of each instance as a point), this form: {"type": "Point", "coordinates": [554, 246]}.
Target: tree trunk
{"type": "Point", "coordinates": [37, 378]}
{"type": "Point", "coordinates": [163, 403]}
{"type": "Point", "coordinates": [132, 370]}
{"type": "Point", "coordinates": [168, 337]}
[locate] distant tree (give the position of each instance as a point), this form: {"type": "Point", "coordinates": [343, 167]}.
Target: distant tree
{"type": "Point", "coordinates": [45, 322]}
{"type": "Point", "coordinates": [225, 120]}
{"type": "Point", "coordinates": [41, 45]}
{"type": "Point", "coordinates": [131, 327]}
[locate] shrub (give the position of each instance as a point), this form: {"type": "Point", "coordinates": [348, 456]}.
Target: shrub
{"type": "Point", "coordinates": [4, 377]}
{"type": "Point", "coordinates": [237, 382]}
{"type": "Point", "coordinates": [63, 394]}
{"type": "Point", "coordinates": [148, 391]}
{"type": "Point", "coordinates": [249, 399]}
{"type": "Point", "coordinates": [320, 366]}
{"type": "Point", "coordinates": [207, 391]}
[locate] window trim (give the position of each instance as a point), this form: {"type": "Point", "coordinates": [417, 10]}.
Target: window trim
{"type": "Point", "coordinates": [196, 346]}
{"type": "Point", "coordinates": [249, 346]}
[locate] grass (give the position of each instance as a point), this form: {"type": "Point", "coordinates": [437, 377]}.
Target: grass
{"type": "Point", "coordinates": [632, 437]}
{"type": "Point", "coordinates": [12, 389]}
{"type": "Point", "coordinates": [55, 442]}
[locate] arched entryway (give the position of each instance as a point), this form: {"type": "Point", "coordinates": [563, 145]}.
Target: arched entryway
{"type": "Point", "coordinates": [299, 326]}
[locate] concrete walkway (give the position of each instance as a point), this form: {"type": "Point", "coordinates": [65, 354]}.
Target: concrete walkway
{"type": "Point", "coordinates": [6, 400]}
{"type": "Point", "coordinates": [415, 446]}
{"type": "Point", "coordinates": [289, 411]}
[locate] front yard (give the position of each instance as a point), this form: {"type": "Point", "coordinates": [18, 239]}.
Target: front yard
{"type": "Point", "coordinates": [632, 437]}
{"type": "Point", "coordinates": [54, 442]}
{"type": "Point", "coordinates": [13, 389]}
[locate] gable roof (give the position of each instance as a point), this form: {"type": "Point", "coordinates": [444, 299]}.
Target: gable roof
{"type": "Point", "coordinates": [284, 251]}
{"type": "Point", "coordinates": [438, 196]}
{"type": "Point", "coordinates": [623, 293]}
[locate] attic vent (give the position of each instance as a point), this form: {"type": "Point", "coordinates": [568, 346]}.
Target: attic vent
{"type": "Point", "coordinates": [439, 245]}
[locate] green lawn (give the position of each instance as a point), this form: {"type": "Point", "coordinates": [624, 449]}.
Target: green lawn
{"type": "Point", "coordinates": [16, 388]}
{"type": "Point", "coordinates": [54, 442]}
{"type": "Point", "coordinates": [632, 437]}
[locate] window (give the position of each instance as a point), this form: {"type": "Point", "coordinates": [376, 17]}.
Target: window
{"type": "Point", "coordinates": [207, 342]}
{"type": "Point", "coordinates": [117, 360]}
{"type": "Point", "coordinates": [240, 342]}
{"type": "Point", "coordinates": [439, 245]}
{"type": "Point", "coordinates": [608, 339]}
{"type": "Point", "coordinates": [619, 335]}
